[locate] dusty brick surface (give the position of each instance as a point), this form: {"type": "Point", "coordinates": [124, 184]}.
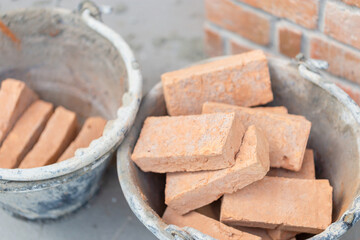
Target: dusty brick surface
{"type": "Point", "coordinates": [237, 19]}
{"type": "Point", "coordinates": [279, 109]}
{"type": "Point", "coordinates": [25, 133]}
{"type": "Point", "coordinates": [206, 225]}
{"type": "Point", "coordinates": [188, 143]}
{"type": "Point", "coordinates": [56, 137]}
{"type": "Point", "coordinates": [213, 43]}
{"type": "Point", "coordinates": [343, 61]}
{"type": "Point", "coordinates": [15, 97]}
{"type": "Point", "coordinates": [303, 12]}
{"type": "Point", "coordinates": [91, 130]}
{"type": "Point", "coordinates": [352, 2]}
{"type": "Point", "coordinates": [307, 170]}
{"type": "Point", "coordinates": [188, 191]}
{"type": "Point", "coordinates": [342, 23]}
{"type": "Point", "coordinates": [260, 232]}
{"type": "Point", "coordinates": [299, 205]}
{"type": "Point", "coordinates": [240, 79]}
{"type": "Point", "coordinates": [289, 40]}
{"type": "Point", "coordinates": [287, 134]}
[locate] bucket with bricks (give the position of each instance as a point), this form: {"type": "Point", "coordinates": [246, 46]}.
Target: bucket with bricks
{"type": "Point", "coordinates": [244, 147]}
{"type": "Point", "coordinates": [70, 90]}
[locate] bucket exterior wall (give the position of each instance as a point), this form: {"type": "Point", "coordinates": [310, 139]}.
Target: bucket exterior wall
{"type": "Point", "coordinates": [335, 137]}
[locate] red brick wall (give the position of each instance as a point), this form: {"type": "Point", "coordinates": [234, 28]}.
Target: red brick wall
{"type": "Point", "coordinates": [321, 29]}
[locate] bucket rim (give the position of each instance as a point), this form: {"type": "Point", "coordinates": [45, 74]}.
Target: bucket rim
{"type": "Point", "coordinates": [115, 129]}
{"type": "Point", "coordinates": [154, 223]}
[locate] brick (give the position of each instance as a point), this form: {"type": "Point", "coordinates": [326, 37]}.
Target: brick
{"type": "Point", "coordinates": [213, 43]}
{"type": "Point", "coordinates": [279, 109]}
{"type": "Point", "coordinates": [91, 130]}
{"type": "Point", "coordinates": [260, 232]}
{"type": "Point", "coordinates": [250, 24]}
{"type": "Point", "coordinates": [307, 170]}
{"type": "Point", "coordinates": [342, 23]}
{"type": "Point", "coordinates": [188, 143]}
{"type": "Point", "coordinates": [25, 133]}
{"type": "Point", "coordinates": [188, 191]}
{"type": "Point", "coordinates": [304, 13]}
{"type": "Point", "coordinates": [56, 137]}
{"type": "Point", "coordinates": [275, 203]}
{"type": "Point", "coordinates": [287, 134]}
{"type": "Point", "coordinates": [277, 234]}
{"type": "Point", "coordinates": [206, 225]}
{"type": "Point", "coordinates": [241, 80]}
{"type": "Point", "coordinates": [15, 97]}
{"type": "Point", "coordinates": [343, 62]}
{"type": "Point", "coordinates": [289, 41]}
{"type": "Point", "coordinates": [352, 2]}
{"type": "Point", "coordinates": [237, 48]}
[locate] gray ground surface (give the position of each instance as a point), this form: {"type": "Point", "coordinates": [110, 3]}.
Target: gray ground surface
{"type": "Point", "coordinates": [165, 35]}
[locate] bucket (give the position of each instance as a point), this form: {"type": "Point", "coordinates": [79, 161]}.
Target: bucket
{"type": "Point", "coordinates": [335, 138]}
{"type": "Point", "coordinates": [74, 60]}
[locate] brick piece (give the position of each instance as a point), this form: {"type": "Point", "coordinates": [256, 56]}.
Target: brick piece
{"type": "Point", "coordinates": [303, 12]}
{"type": "Point", "coordinates": [342, 23]}
{"type": "Point", "coordinates": [277, 234]}
{"type": "Point", "coordinates": [279, 109]}
{"type": "Point", "coordinates": [213, 43]}
{"type": "Point", "coordinates": [237, 47]}
{"type": "Point", "coordinates": [206, 225]}
{"type": "Point", "coordinates": [15, 97]}
{"type": "Point", "coordinates": [250, 24]}
{"type": "Point", "coordinates": [241, 80]}
{"type": "Point", "coordinates": [260, 232]}
{"type": "Point", "coordinates": [307, 170]}
{"type": "Point", "coordinates": [188, 191]}
{"type": "Point", "coordinates": [25, 133]}
{"type": "Point", "coordinates": [287, 134]}
{"type": "Point", "coordinates": [352, 2]}
{"type": "Point", "coordinates": [188, 143]}
{"type": "Point", "coordinates": [91, 130]}
{"type": "Point", "coordinates": [343, 61]}
{"type": "Point", "coordinates": [289, 204]}
{"type": "Point", "coordinates": [57, 135]}
{"type": "Point", "coordinates": [289, 41]}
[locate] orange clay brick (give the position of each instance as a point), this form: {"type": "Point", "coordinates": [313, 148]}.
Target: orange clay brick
{"type": "Point", "coordinates": [91, 130]}
{"type": "Point", "coordinates": [260, 232]}
{"type": "Point", "coordinates": [188, 143]}
{"type": "Point", "coordinates": [206, 225]}
{"type": "Point", "coordinates": [289, 204]}
{"type": "Point", "coordinates": [307, 170]}
{"type": "Point", "coordinates": [240, 79]}
{"type": "Point", "coordinates": [279, 110]}
{"type": "Point", "coordinates": [57, 135]}
{"type": "Point", "coordinates": [287, 134]}
{"type": "Point", "coordinates": [15, 97]}
{"type": "Point", "coordinates": [277, 234]}
{"type": "Point", "coordinates": [188, 191]}
{"type": "Point", "coordinates": [25, 133]}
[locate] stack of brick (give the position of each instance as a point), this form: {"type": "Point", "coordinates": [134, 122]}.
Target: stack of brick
{"type": "Point", "coordinates": [32, 134]}
{"type": "Point", "coordinates": [255, 158]}
{"type": "Point", "coordinates": [320, 29]}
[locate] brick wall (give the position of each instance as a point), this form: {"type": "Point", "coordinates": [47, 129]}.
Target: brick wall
{"type": "Point", "coordinates": [321, 29]}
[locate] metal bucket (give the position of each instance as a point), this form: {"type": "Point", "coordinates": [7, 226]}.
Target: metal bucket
{"type": "Point", "coordinates": [335, 137]}
{"type": "Point", "coordinates": [74, 60]}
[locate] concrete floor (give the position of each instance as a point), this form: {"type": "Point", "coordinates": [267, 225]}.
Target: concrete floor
{"type": "Point", "coordinates": [165, 35]}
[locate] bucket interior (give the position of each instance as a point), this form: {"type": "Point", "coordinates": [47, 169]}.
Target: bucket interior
{"type": "Point", "coordinates": [334, 138]}
{"type": "Point", "coordinates": [64, 61]}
